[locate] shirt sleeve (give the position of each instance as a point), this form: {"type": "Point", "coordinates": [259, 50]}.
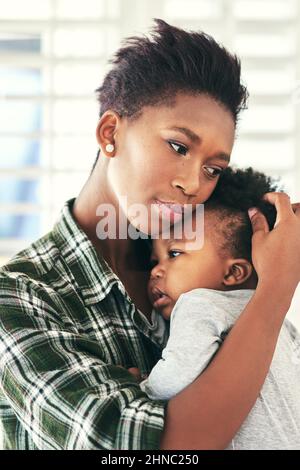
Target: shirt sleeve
{"type": "Point", "coordinates": [60, 387]}
{"type": "Point", "coordinates": [196, 330]}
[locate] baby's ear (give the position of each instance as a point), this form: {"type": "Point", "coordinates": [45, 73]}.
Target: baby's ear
{"type": "Point", "coordinates": [237, 272]}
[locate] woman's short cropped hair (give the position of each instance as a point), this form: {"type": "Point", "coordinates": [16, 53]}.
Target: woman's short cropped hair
{"type": "Point", "coordinates": [150, 70]}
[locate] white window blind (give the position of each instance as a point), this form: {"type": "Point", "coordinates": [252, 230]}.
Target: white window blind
{"type": "Point", "coordinates": [53, 55]}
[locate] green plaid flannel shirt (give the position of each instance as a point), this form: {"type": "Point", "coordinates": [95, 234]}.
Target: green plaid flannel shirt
{"type": "Point", "coordinates": [66, 323]}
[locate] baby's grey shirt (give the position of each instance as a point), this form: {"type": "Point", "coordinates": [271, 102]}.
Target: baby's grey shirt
{"type": "Point", "coordinates": [199, 323]}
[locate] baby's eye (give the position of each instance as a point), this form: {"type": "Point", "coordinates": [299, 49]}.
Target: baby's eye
{"type": "Point", "coordinates": [174, 253]}
{"type": "Point", "coordinates": [181, 149]}
{"type": "Point", "coordinates": [212, 171]}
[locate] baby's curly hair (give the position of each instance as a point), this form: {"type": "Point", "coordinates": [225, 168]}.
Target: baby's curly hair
{"type": "Point", "coordinates": [237, 191]}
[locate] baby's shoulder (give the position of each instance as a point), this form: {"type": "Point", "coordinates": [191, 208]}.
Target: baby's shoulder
{"type": "Point", "coordinates": [216, 298]}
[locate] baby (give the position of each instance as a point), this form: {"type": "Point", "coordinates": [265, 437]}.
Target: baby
{"type": "Point", "coordinates": [203, 292]}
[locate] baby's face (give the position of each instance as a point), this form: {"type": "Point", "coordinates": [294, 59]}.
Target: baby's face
{"type": "Point", "coordinates": [177, 270]}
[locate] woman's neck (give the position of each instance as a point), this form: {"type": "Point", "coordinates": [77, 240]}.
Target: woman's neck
{"type": "Point", "coordinates": [121, 254]}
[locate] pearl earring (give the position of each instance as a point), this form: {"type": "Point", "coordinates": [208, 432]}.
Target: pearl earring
{"type": "Point", "coordinates": [109, 148]}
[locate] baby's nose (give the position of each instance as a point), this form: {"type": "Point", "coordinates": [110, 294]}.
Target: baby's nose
{"type": "Point", "coordinates": [157, 271]}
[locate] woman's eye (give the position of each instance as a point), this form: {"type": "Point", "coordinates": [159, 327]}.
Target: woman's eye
{"type": "Point", "coordinates": [174, 253]}
{"type": "Point", "coordinates": [181, 149]}
{"type": "Point", "coordinates": [213, 172]}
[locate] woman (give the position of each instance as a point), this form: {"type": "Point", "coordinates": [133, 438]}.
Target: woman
{"type": "Point", "coordinates": [74, 310]}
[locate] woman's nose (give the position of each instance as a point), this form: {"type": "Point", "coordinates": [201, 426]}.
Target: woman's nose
{"type": "Point", "coordinates": [188, 183]}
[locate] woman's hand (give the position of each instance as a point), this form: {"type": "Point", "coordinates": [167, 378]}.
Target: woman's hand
{"type": "Point", "coordinates": [136, 373]}
{"type": "Point", "coordinates": [276, 253]}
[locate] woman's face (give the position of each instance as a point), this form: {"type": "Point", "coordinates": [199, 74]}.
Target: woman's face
{"type": "Point", "coordinates": [170, 154]}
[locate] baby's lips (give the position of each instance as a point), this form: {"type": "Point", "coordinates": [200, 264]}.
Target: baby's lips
{"type": "Point", "coordinates": [156, 293]}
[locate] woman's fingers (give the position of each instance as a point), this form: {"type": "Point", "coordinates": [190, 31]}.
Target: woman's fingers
{"type": "Point", "coordinates": [136, 373]}
{"type": "Point", "coordinates": [258, 221]}
{"type": "Point", "coordinates": [279, 247]}
{"type": "Point", "coordinates": [282, 203]}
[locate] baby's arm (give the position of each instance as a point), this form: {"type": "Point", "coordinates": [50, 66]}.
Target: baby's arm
{"type": "Point", "coordinates": [195, 336]}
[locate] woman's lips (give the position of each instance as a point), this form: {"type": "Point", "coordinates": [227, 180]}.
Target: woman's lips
{"type": "Point", "coordinates": [171, 211]}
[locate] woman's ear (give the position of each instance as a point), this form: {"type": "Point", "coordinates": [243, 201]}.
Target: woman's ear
{"type": "Point", "coordinates": [237, 272]}
{"type": "Point", "coordinates": [106, 131]}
